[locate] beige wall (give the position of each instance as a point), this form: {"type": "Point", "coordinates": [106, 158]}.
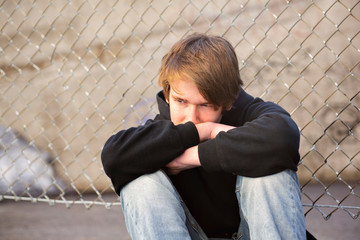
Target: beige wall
{"type": "Point", "coordinates": [73, 74]}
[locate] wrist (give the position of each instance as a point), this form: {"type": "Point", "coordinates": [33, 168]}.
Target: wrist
{"type": "Point", "coordinates": [204, 131]}
{"type": "Point", "coordinates": [195, 161]}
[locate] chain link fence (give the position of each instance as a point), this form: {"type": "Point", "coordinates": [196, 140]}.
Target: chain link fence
{"type": "Point", "coordinates": [74, 72]}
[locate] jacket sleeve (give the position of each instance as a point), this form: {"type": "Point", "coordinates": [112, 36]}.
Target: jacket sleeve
{"type": "Point", "coordinates": [145, 149]}
{"type": "Point", "coordinates": [265, 144]}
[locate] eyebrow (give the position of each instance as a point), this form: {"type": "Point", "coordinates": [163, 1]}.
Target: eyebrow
{"type": "Point", "coordinates": [183, 99]}
{"type": "Point", "coordinates": [176, 98]}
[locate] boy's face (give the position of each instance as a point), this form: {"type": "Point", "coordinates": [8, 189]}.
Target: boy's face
{"type": "Point", "coordinates": [187, 104]}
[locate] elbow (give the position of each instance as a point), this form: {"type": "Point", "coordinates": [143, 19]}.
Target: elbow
{"type": "Point", "coordinates": [107, 158]}
{"type": "Point", "coordinates": [294, 134]}
{"type": "Point", "coordinates": [288, 139]}
{"type": "Point", "coordinates": [291, 142]}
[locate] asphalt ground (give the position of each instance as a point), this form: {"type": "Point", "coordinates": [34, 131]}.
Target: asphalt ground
{"type": "Point", "coordinates": [36, 221]}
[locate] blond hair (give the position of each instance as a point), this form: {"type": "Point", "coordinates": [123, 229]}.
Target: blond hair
{"type": "Point", "coordinates": [210, 62]}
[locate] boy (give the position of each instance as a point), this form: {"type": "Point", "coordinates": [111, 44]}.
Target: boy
{"type": "Point", "coordinates": [215, 162]}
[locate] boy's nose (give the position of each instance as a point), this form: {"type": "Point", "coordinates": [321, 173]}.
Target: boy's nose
{"type": "Point", "coordinates": [192, 115]}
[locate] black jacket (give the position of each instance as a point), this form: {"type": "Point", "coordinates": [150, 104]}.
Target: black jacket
{"type": "Point", "coordinates": [265, 141]}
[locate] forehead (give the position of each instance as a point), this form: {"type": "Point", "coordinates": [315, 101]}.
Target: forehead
{"type": "Point", "coordinates": [187, 90]}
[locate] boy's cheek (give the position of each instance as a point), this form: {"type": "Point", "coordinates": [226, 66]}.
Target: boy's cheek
{"type": "Point", "coordinates": [174, 117]}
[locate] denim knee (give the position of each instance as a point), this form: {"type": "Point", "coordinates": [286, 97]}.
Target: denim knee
{"type": "Point", "coordinates": [271, 205]}
{"type": "Point", "coordinates": [152, 208]}
{"type": "Point", "coordinates": [146, 189]}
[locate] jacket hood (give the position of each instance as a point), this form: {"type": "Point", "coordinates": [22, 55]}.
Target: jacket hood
{"type": "Point", "coordinates": [163, 106]}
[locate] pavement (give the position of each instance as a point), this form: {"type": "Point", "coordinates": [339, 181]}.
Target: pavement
{"type": "Point", "coordinates": [36, 221]}
{"type": "Point", "coordinates": [25, 220]}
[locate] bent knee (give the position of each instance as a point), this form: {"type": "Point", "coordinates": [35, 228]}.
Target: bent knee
{"type": "Point", "coordinates": [149, 194]}
{"type": "Point", "coordinates": [146, 187]}
{"type": "Point", "coordinates": [283, 176]}
{"type": "Point", "coordinates": [282, 181]}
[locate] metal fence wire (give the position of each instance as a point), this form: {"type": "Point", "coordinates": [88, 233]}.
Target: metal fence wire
{"type": "Point", "coordinates": [73, 72]}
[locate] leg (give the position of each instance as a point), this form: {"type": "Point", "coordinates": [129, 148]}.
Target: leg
{"type": "Point", "coordinates": [270, 207]}
{"type": "Point", "coordinates": [154, 210]}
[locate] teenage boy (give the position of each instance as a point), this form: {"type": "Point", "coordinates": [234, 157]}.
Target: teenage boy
{"type": "Point", "coordinates": [215, 162]}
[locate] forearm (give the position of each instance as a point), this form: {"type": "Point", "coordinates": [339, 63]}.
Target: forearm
{"type": "Point", "coordinates": [210, 130]}
{"type": "Point", "coordinates": [264, 146]}
{"type": "Point", "coordinates": [144, 149]}
{"type": "Point", "coordinates": [189, 159]}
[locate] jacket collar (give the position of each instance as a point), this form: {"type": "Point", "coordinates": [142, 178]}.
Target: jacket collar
{"type": "Point", "coordinates": [237, 112]}
{"type": "Point", "coordinates": [163, 106]}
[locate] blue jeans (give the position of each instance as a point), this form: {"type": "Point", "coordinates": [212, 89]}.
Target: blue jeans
{"type": "Point", "coordinates": [270, 208]}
